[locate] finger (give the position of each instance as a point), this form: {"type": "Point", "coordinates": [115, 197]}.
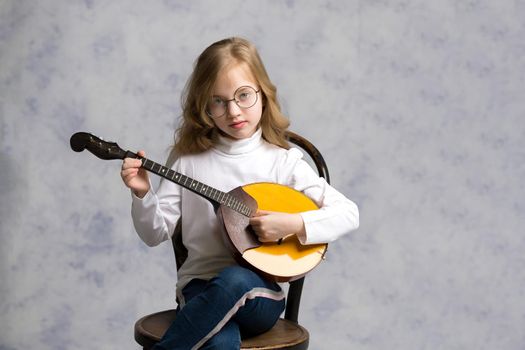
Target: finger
{"type": "Point", "coordinates": [129, 172]}
{"type": "Point", "coordinates": [131, 163]}
{"type": "Point", "coordinates": [141, 153]}
{"type": "Point", "coordinates": [255, 222]}
{"type": "Point", "coordinates": [266, 239]}
{"type": "Point", "coordinates": [127, 179]}
{"type": "Point", "coordinates": [261, 235]}
{"type": "Point", "coordinates": [126, 169]}
{"type": "Point", "coordinates": [261, 212]}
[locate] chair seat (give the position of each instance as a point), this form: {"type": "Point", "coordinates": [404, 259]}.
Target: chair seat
{"type": "Point", "coordinates": [284, 335]}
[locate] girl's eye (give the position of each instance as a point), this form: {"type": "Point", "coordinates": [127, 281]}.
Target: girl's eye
{"type": "Point", "coordinates": [216, 101]}
{"type": "Point", "coordinates": [244, 95]}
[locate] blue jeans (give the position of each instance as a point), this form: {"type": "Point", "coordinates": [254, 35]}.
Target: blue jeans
{"type": "Point", "coordinates": [235, 303]}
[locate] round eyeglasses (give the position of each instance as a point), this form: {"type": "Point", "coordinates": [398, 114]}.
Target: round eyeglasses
{"type": "Point", "coordinates": [244, 97]}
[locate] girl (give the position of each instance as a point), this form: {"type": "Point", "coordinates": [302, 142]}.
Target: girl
{"type": "Point", "coordinates": [232, 133]}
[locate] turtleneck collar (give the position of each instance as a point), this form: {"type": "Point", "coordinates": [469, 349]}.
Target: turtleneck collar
{"type": "Point", "coordinates": [237, 147]}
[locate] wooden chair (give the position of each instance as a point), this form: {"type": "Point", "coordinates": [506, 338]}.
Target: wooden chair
{"type": "Point", "coordinates": [286, 334]}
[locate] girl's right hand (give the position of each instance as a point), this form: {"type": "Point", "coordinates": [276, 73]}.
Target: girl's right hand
{"type": "Point", "coordinates": [135, 177]}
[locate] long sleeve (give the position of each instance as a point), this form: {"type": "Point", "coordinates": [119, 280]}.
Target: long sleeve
{"type": "Point", "coordinates": [155, 216]}
{"type": "Point", "coordinates": [232, 163]}
{"type": "Point", "coordinates": [337, 215]}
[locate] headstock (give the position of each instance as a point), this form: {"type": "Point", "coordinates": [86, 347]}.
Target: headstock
{"type": "Point", "coordinates": [100, 148]}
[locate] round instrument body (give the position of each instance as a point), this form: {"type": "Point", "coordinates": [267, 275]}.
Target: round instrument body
{"type": "Point", "coordinates": [281, 261]}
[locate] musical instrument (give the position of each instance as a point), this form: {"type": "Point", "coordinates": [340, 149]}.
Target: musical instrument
{"type": "Point", "coordinates": [281, 261]}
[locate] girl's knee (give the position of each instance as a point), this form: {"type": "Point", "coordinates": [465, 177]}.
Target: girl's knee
{"type": "Point", "coordinates": [235, 272]}
{"type": "Point", "coordinates": [237, 278]}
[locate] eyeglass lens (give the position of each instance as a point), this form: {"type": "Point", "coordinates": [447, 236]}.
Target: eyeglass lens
{"type": "Point", "coordinates": [244, 97]}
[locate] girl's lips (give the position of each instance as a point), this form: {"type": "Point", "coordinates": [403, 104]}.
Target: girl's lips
{"type": "Point", "coordinates": [237, 125]}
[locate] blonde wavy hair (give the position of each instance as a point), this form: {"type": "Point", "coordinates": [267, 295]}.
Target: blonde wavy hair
{"type": "Point", "coordinates": [197, 131]}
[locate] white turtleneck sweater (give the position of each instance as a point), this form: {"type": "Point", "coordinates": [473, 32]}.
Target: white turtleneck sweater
{"type": "Point", "coordinates": [230, 164]}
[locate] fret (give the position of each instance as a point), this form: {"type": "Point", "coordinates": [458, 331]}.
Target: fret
{"type": "Point", "coordinates": [206, 191]}
{"type": "Point", "coordinates": [153, 167]}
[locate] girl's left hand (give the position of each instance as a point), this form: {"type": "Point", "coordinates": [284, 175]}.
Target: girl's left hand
{"type": "Point", "coordinates": [271, 226]}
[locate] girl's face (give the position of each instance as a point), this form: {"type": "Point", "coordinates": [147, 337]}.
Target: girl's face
{"type": "Point", "coordinates": [237, 123]}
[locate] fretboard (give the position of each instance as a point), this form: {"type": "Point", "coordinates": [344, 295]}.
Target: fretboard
{"type": "Point", "coordinates": [208, 192]}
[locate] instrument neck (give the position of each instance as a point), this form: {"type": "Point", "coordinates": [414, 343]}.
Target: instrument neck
{"type": "Point", "coordinates": [215, 196]}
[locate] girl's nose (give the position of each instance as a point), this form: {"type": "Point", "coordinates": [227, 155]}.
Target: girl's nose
{"type": "Point", "coordinates": [233, 109]}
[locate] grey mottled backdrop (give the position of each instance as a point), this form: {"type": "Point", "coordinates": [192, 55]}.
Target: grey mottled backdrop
{"type": "Point", "coordinates": [417, 105]}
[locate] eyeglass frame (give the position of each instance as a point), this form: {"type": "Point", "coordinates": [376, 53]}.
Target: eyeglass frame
{"type": "Point", "coordinates": [227, 102]}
